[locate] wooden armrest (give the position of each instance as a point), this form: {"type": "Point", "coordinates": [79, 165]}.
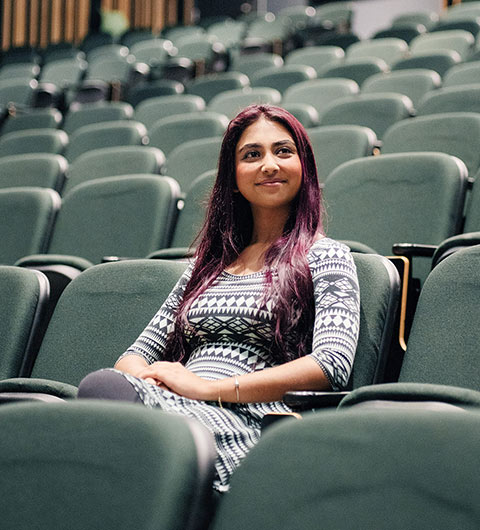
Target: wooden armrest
{"type": "Point", "coordinates": [311, 400]}
{"type": "Point", "coordinates": [411, 250]}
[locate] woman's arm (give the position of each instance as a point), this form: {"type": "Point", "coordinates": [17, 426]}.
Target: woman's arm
{"type": "Point", "coordinates": [337, 311]}
{"type": "Point", "coordinates": [134, 365]}
{"type": "Point", "coordinates": [262, 386]}
{"type": "Point", "coordinates": [150, 345]}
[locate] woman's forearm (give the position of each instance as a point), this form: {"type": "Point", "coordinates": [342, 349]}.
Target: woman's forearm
{"type": "Point", "coordinates": [262, 386]}
{"type": "Point", "coordinates": [131, 364]}
{"type": "Point", "coordinates": [272, 383]}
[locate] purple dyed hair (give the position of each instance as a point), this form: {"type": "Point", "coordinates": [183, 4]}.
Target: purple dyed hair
{"type": "Point", "coordinates": [227, 231]}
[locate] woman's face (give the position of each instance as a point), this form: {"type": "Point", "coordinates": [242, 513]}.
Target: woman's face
{"type": "Point", "coordinates": [268, 168]}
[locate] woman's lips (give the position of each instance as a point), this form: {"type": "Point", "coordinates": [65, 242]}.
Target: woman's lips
{"type": "Point", "coordinates": [274, 182]}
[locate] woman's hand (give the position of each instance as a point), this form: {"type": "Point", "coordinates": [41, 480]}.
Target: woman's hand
{"type": "Point", "coordinates": [176, 378]}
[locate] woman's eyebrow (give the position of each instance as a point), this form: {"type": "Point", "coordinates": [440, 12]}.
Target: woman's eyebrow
{"type": "Point", "coordinates": [274, 145]}
{"type": "Point", "coordinates": [249, 146]}
{"type": "Point", "coordinates": [283, 142]}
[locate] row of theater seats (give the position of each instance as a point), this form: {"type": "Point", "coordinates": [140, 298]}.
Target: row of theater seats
{"type": "Point", "coordinates": [454, 134]}
{"type": "Point", "coordinates": [99, 315]}
{"type": "Point", "coordinates": [364, 65]}
{"type": "Point", "coordinates": [112, 63]}
{"type": "Point", "coordinates": [102, 67]}
{"type": "Point", "coordinates": [168, 121]}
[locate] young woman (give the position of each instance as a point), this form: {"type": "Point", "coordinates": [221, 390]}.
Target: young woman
{"type": "Point", "coordinates": [267, 305]}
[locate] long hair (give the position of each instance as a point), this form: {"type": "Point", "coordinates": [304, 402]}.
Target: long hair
{"type": "Point", "coordinates": [227, 231]}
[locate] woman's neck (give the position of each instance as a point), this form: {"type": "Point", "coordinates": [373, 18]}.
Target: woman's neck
{"type": "Point", "coordinates": [267, 227]}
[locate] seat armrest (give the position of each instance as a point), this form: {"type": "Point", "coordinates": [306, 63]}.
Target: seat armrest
{"type": "Point", "coordinates": [35, 261]}
{"type": "Point", "coordinates": [411, 250]}
{"type": "Point", "coordinates": [310, 400]}
{"type": "Point", "coordinates": [16, 397]}
{"type": "Point", "coordinates": [172, 253]}
{"type": "Point", "coordinates": [32, 386]}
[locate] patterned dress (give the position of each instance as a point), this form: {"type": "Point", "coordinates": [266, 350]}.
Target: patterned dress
{"type": "Point", "coordinates": [233, 336]}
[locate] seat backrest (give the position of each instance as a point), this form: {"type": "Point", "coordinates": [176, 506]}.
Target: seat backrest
{"type": "Point", "coordinates": [18, 91]}
{"type": "Point", "coordinates": [376, 111]}
{"type": "Point", "coordinates": [208, 86]}
{"type": "Point", "coordinates": [443, 344]}
{"type": "Point", "coordinates": [150, 50]}
{"type": "Point", "coordinates": [406, 31]}
{"type": "Point", "coordinates": [339, 14]}
{"type": "Point", "coordinates": [229, 32]}
{"type": "Point", "coordinates": [160, 87]}
{"type": "Point", "coordinates": [153, 109]}
{"type": "Point", "coordinates": [191, 216]}
{"type": "Point", "coordinates": [305, 113]}
{"type": "Point", "coordinates": [63, 72]}
{"type": "Point", "coordinates": [463, 74]}
{"type": "Point", "coordinates": [249, 64]}
{"type": "Point", "coordinates": [388, 49]}
{"type": "Point", "coordinates": [440, 61]}
{"type": "Point", "coordinates": [56, 461]}
{"type": "Point", "coordinates": [283, 78]}
{"type": "Point", "coordinates": [471, 25]}
{"type": "Point", "coordinates": [33, 119]}
{"type": "Point", "coordinates": [168, 133]}
{"type": "Point", "coordinates": [100, 314]}
{"type": "Point", "coordinates": [190, 159]}
{"type": "Point", "coordinates": [41, 170]}
{"type": "Point", "coordinates": [24, 294]}
{"type": "Point", "coordinates": [455, 133]}
{"type": "Point", "coordinates": [178, 32]}
{"type": "Point", "coordinates": [26, 220]}
{"type": "Point", "coordinates": [231, 102]}
{"type": "Point", "coordinates": [379, 284]}
{"type": "Point", "coordinates": [356, 69]}
{"type": "Point", "coordinates": [320, 92]}
{"type": "Point", "coordinates": [359, 469]}
{"type": "Point", "coordinates": [81, 115]}
{"type": "Point", "coordinates": [413, 83]}
{"type": "Point", "coordinates": [114, 161]}
{"type": "Point", "coordinates": [396, 198]}
{"type": "Point", "coordinates": [105, 134]}
{"type": "Point", "coordinates": [465, 10]}
{"type": "Point", "coordinates": [451, 99]}
{"type": "Point", "coordinates": [33, 141]}
{"type": "Point", "coordinates": [335, 144]}
{"type": "Point", "coordinates": [128, 216]}
{"type": "Point", "coordinates": [196, 47]}
{"type": "Point", "coordinates": [427, 18]}
{"type": "Point", "coordinates": [26, 71]}
{"type": "Point", "coordinates": [460, 41]}
{"type": "Point", "coordinates": [109, 69]}
{"type": "Point", "coordinates": [318, 57]}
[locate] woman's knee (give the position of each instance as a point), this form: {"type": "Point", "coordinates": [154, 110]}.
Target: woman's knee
{"type": "Point", "coordinates": [107, 384]}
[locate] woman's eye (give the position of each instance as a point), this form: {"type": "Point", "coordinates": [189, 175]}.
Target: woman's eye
{"type": "Point", "coordinates": [284, 151]}
{"type": "Point", "coordinates": [251, 154]}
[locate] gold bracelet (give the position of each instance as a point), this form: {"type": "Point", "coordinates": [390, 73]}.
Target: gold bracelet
{"type": "Point", "coordinates": [219, 398]}
{"type": "Point", "coordinates": [237, 389]}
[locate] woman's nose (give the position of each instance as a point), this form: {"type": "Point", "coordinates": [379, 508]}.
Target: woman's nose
{"type": "Point", "coordinates": [269, 164]}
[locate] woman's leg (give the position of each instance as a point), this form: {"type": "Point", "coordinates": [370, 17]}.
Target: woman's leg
{"type": "Point", "coordinates": [107, 384]}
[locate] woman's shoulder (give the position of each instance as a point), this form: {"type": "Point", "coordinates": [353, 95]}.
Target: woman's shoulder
{"type": "Point", "coordinates": [328, 254]}
{"type": "Point", "coordinates": [326, 247]}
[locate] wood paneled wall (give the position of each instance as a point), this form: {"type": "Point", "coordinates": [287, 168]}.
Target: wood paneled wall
{"type": "Point", "coordinates": [152, 14]}
{"type": "Point", "coordinates": [40, 22]}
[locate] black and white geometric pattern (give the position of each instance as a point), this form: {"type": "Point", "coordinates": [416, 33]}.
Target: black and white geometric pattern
{"type": "Point", "coordinates": [233, 336]}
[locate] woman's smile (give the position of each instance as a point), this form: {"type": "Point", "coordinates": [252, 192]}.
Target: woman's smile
{"type": "Point", "coordinates": [268, 168]}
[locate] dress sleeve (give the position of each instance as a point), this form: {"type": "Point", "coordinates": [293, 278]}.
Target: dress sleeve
{"type": "Point", "coordinates": [151, 343]}
{"type": "Point", "coordinates": [337, 311]}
